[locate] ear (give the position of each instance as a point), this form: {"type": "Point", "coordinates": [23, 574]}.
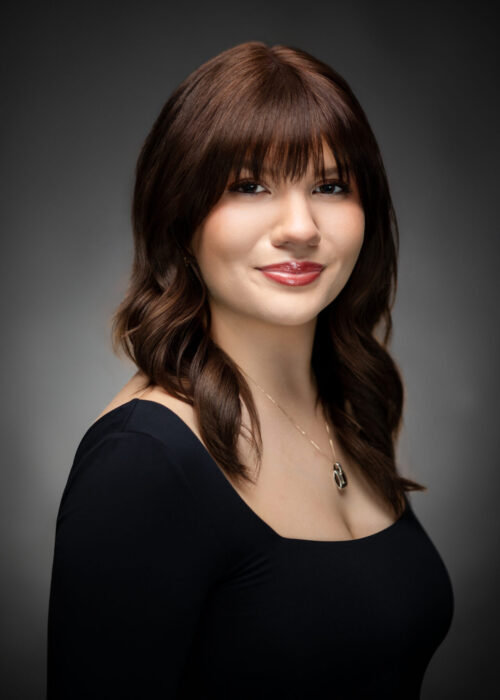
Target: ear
{"type": "Point", "coordinates": [194, 243]}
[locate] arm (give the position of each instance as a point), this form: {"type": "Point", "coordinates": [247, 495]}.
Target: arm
{"type": "Point", "coordinates": [133, 561]}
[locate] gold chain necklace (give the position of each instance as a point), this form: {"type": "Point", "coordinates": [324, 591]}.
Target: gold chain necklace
{"type": "Point", "coordinates": [338, 474]}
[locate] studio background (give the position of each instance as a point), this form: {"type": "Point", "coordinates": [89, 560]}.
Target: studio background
{"type": "Point", "coordinates": [83, 83]}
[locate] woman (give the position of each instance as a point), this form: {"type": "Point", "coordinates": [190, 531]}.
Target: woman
{"type": "Point", "coordinates": [234, 524]}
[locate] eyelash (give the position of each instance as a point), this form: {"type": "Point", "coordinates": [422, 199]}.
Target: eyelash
{"type": "Point", "coordinates": [235, 186]}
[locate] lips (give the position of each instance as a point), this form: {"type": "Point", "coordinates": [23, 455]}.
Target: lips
{"type": "Point", "coordinates": [292, 266]}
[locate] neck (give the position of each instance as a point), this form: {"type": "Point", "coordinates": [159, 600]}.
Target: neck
{"type": "Point", "coordinates": [277, 357]}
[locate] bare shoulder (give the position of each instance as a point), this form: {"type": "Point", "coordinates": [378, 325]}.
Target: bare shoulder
{"type": "Point", "coordinates": [135, 389]}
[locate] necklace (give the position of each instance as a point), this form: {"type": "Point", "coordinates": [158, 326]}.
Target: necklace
{"type": "Point", "coordinates": [338, 474]}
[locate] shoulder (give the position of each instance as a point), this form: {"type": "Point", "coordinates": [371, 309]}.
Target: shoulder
{"type": "Point", "coordinates": [128, 491]}
{"type": "Point", "coordinates": [121, 466]}
{"type": "Point", "coordinates": [127, 452]}
{"type": "Point", "coordinates": [141, 455]}
{"type": "Point", "coordinates": [135, 389]}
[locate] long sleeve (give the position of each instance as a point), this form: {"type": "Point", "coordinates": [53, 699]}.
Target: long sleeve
{"type": "Point", "coordinates": [134, 559]}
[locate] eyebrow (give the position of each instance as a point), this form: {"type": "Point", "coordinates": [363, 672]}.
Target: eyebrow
{"type": "Point", "coordinates": [332, 170]}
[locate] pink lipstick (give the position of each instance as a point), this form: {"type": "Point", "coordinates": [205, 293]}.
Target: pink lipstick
{"type": "Point", "coordinates": [293, 273]}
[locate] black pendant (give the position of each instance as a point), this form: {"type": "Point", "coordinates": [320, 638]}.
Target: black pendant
{"type": "Point", "coordinates": [339, 476]}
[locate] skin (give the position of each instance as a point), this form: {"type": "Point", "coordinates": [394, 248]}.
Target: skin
{"type": "Point", "coordinates": [268, 328]}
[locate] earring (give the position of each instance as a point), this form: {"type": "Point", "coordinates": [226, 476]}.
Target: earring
{"type": "Point", "coordinates": [186, 261]}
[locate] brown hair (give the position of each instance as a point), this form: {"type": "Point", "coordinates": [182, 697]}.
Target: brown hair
{"type": "Point", "coordinates": [272, 105]}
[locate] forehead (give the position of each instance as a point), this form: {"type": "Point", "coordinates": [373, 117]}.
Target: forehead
{"type": "Point", "coordinates": [267, 167]}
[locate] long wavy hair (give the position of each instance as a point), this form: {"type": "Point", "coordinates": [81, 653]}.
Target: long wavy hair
{"type": "Point", "coordinates": [271, 106]}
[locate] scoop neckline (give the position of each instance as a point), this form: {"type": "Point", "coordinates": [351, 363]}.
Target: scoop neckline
{"type": "Point", "coordinates": [292, 540]}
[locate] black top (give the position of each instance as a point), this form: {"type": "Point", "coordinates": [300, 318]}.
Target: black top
{"type": "Point", "coordinates": [166, 584]}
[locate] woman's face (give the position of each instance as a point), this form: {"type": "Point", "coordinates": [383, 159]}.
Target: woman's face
{"type": "Point", "coordinates": [255, 224]}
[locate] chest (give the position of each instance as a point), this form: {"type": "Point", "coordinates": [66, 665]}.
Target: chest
{"type": "Point", "coordinates": [348, 619]}
{"type": "Point", "coordinates": [296, 495]}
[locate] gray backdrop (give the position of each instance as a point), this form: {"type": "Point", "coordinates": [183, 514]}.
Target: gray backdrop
{"type": "Point", "coordinates": [83, 83]}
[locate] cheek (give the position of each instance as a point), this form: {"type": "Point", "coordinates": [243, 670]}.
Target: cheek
{"type": "Point", "coordinates": [225, 237]}
{"type": "Point", "coordinates": [348, 232]}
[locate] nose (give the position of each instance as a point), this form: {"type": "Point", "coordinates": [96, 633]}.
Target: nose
{"type": "Point", "coordinates": [296, 224]}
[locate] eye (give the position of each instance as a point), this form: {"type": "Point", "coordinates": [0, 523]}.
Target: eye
{"type": "Point", "coordinates": [243, 186]}
{"type": "Point", "coordinates": [343, 186]}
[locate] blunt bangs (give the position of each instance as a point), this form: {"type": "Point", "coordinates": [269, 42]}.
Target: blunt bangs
{"type": "Point", "coordinates": [277, 120]}
{"type": "Point", "coordinates": [285, 143]}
